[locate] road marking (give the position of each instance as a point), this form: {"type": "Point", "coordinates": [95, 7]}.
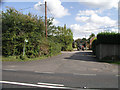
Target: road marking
{"type": "Point", "coordinates": [48, 72]}
{"type": "Point", "coordinates": [117, 75]}
{"type": "Point", "coordinates": [12, 66]}
{"type": "Point", "coordinates": [44, 72]}
{"type": "Point", "coordinates": [85, 74]}
{"type": "Point", "coordinates": [49, 84]}
{"type": "Point", "coordinates": [33, 85]}
{"type": "Point", "coordinates": [9, 69]}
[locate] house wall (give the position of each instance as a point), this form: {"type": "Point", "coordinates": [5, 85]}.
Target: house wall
{"type": "Point", "coordinates": [91, 40]}
{"type": "Point", "coordinates": [103, 50]}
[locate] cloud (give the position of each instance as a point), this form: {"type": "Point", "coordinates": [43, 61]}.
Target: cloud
{"type": "Point", "coordinates": [40, 7]}
{"type": "Point", "coordinates": [102, 21]}
{"type": "Point", "coordinates": [55, 8]}
{"type": "Point", "coordinates": [71, 7]}
{"type": "Point", "coordinates": [102, 4]}
{"type": "Point", "coordinates": [91, 22]}
{"type": "Point", "coordinates": [55, 22]}
{"type": "Point", "coordinates": [88, 12]}
{"type": "Point", "coordinates": [114, 30]}
{"type": "Point", "coordinates": [91, 16]}
{"type": "Point", "coordinates": [81, 19]}
{"type": "Point", "coordinates": [80, 31]}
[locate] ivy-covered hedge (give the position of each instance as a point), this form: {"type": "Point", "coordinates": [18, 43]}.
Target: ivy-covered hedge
{"type": "Point", "coordinates": [108, 38]}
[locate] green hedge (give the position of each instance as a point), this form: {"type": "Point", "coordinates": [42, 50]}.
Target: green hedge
{"type": "Point", "coordinates": [108, 38]}
{"type": "Point", "coordinates": [105, 38]}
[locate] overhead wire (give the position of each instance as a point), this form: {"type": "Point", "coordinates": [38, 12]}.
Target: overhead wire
{"type": "Point", "coordinates": [25, 8]}
{"type": "Point", "coordinates": [50, 12]}
{"type": "Point", "coordinates": [101, 28]}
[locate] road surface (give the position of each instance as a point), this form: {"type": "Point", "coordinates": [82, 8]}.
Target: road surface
{"type": "Point", "coordinates": [70, 70]}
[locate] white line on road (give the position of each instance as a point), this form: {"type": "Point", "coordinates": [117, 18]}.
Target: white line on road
{"type": "Point", "coordinates": [44, 72]}
{"type": "Point", "coordinates": [33, 85]}
{"type": "Point", "coordinates": [10, 69]}
{"type": "Point", "coordinates": [12, 66]}
{"type": "Point", "coordinates": [48, 72]}
{"type": "Point", "coordinates": [49, 84]}
{"type": "Point", "coordinates": [117, 75]}
{"type": "Point", "coordinates": [85, 74]}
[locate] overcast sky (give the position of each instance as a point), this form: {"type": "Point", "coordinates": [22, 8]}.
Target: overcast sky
{"type": "Point", "coordinates": [83, 18]}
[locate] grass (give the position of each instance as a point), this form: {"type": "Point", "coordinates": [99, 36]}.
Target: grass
{"type": "Point", "coordinates": [111, 60]}
{"type": "Point", "coordinates": [15, 58]}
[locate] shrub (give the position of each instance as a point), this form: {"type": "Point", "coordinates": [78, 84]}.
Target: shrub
{"type": "Point", "coordinates": [69, 47]}
{"type": "Point", "coordinates": [22, 57]}
{"type": "Point", "coordinates": [54, 48]}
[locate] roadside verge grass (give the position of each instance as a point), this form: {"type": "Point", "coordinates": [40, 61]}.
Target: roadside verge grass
{"type": "Point", "coordinates": [111, 60]}
{"type": "Point", "coordinates": [16, 58]}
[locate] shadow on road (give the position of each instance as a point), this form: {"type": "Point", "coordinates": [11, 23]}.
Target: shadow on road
{"type": "Point", "coordinates": [83, 56]}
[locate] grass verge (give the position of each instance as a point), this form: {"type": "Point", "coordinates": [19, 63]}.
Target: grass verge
{"type": "Point", "coordinates": [111, 60]}
{"type": "Point", "coordinates": [16, 58]}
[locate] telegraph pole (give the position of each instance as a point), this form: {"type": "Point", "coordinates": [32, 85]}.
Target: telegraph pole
{"type": "Point", "coordinates": [46, 18]}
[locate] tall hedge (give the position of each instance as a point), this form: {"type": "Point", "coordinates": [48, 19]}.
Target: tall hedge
{"type": "Point", "coordinates": [108, 38]}
{"type": "Point", "coordinates": [105, 38]}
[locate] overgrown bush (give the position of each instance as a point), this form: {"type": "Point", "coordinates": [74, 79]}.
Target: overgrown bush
{"type": "Point", "coordinates": [17, 27]}
{"type": "Point", "coordinates": [66, 42]}
{"type": "Point", "coordinates": [69, 47]}
{"type": "Point", "coordinates": [54, 48]}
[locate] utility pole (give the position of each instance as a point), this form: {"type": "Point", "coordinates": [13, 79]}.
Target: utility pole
{"type": "Point", "coordinates": [46, 18]}
{"type": "Point", "coordinates": [86, 43]}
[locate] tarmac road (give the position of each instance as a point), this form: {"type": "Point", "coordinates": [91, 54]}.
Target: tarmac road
{"type": "Point", "coordinates": [75, 69]}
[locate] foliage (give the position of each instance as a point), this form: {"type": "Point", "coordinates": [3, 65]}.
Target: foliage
{"type": "Point", "coordinates": [54, 48]}
{"type": "Point", "coordinates": [78, 40]}
{"type": "Point", "coordinates": [17, 27]}
{"type": "Point", "coordinates": [81, 41]}
{"type": "Point", "coordinates": [63, 36]}
{"type": "Point", "coordinates": [69, 47]}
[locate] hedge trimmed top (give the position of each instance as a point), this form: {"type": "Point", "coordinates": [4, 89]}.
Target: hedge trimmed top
{"type": "Point", "coordinates": [108, 38]}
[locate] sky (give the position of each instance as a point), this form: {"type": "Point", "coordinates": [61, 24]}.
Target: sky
{"type": "Point", "coordinates": [84, 18]}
